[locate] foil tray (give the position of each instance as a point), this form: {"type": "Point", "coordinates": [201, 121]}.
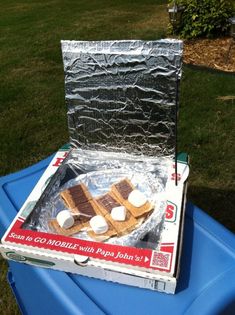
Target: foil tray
{"type": "Point", "coordinates": [147, 175]}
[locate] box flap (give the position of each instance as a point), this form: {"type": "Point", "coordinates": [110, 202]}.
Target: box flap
{"type": "Point", "coordinates": [122, 95]}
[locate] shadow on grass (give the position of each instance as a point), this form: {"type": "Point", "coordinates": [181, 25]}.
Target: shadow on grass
{"type": "Point", "coordinates": [218, 203]}
{"type": "Point", "coordinates": [208, 69]}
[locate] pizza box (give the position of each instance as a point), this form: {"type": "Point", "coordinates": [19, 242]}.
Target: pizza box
{"type": "Point", "coordinates": [146, 268]}
{"type": "Point", "coordinates": [122, 99]}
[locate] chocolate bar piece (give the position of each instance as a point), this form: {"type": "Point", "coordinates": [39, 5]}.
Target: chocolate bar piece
{"type": "Point", "coordinates": [75, 196]}
{"type": "Point", "coordinates": [121, 192]}
{"type": "Point", "coordinates": [86, 210]}
{"type": "Point", "coordinates": [124, 188]}
{"type": "Point", "coordinates": [106, 203]}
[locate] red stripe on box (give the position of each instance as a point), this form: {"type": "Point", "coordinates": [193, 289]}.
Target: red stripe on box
{"type": "Point", "coordinates": [119, 254]}
{"type": "Point", "coordinates": [167, 247]}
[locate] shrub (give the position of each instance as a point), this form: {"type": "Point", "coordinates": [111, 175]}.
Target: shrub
{"type": "Point", "coordinates": [204, 18]}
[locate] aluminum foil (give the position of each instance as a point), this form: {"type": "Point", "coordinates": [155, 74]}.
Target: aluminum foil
{"type": "Point", "coordinates": [122, 95]}
{"type": "Point", "coordinates": [98, 173]}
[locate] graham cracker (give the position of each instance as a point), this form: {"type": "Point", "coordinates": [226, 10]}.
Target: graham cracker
{"type": "Point", "coordinates": [108, 201]}
{"type": "Point", "coordinates": [66, 232]}
{"type": "Point", "coordinates": [122, 197]}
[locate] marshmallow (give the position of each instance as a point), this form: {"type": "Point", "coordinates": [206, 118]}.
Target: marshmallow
{"type": "Point", "coordinates": [137, 198]}
{"type": "Point", "coordinates": [99, 224]}
{"type": "Point", "coordinates": [118, 213]}
{"type": "Point", "coordinates": [65, 219]}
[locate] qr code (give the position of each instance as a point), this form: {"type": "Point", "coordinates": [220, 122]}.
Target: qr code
{"type": "Point", "coordinates": [161, 260]}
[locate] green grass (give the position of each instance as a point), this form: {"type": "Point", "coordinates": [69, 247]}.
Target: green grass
{"type": "Point", "coordinates": [33, 120]}
{"type": "Point", "coordinates": [32, 97]}
{"type": "Point", "coordinates": [206, 132]}
{"type": "Point", "coordinates": [8, 306]}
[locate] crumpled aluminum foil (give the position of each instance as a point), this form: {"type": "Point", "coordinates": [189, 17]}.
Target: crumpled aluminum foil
{"type": "Point", "coordinates": [122, 95]}
{"type": "Point", "coordinates": [98, 173]}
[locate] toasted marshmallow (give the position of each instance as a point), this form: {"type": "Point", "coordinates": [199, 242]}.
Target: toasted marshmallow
{"type": "Point", "coordinates": [65, 219]}
{"type": "Point", "coordinates": [137, 198]}
{"type": "Point", "coordinates": [118, 213]}
{"type": "Point", "coordinates": [99, 224]}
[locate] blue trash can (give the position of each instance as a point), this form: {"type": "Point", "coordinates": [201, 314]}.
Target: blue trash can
{"type": "Point", "coordinates": [206, 284]}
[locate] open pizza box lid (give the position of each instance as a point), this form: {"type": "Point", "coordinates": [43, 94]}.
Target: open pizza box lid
{"type": "Point", "coordinates": [122, 96]}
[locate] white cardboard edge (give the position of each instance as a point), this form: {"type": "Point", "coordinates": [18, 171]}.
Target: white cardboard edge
{"type": "Point", "coordinates": [94, 269]}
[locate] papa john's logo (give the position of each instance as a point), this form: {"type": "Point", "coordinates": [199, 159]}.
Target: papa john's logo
{"type": "Point", "coordinates": [171, 212]}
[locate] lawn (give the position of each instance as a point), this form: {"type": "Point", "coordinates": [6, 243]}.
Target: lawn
{"type": "Point", "coordinates": [33, 115]}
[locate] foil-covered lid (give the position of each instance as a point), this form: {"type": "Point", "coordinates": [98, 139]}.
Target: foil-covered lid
{"type": "Point", "coordinates": [122, 95]}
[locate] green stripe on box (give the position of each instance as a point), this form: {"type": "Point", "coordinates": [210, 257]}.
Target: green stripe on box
{"type": "Point", "coordinates": [182, 157]}
{"type": "Point", "coordinates": [65, 147]}
{"type": "Point", "coordinates": [39, 262]}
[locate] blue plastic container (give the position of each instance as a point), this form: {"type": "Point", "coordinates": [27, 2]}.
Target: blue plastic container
{"type": "Point", "coordinates": [206, 284]}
